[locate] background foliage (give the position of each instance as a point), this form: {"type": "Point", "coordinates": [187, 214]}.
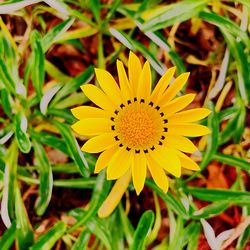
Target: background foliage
{"type": "Point", "coordinates": [49, 199]}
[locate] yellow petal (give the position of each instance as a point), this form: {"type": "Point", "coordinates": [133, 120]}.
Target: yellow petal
{"type": "Point", "coordinates": [109, 85]}
{"type": "Point", "coordinates": [174, 88]}
{"type": "Point", "coordinates": [104, 159]}
{"type": "Point", "coordinates": [99, 143]}
{"type": "Point", "coordinates": [119, 164]}
{"type": "Point", "coordinates": [187, 129]}
{"type": "Point", "coordinates": [167, 158]}
{"type": "Point", "coordinates": [139, 170]}
{"type": "Point", "coordinates": [145, 82]}
{"type": "Point", "coordinates": [92, 126]}
{"type": "Point", "coordinates": [191, 115]}
{"type": "Point", "coordinates": [97, 96]}
{"type": "Point", "coordinates": [177, 104]}
{"type": "Point", "coordinates": [162, 85]}
{"type": "Point", "coordinates": [124, 83]}
{"type": "Point", "coordinates": [187, 162]}
{"type": "Point", "coordinates": [114, 196]}
{"type": "Point", "coordinates": [157, 174]}
{"type": "Point", "coordinates": [83, 112]}
{"type": "Point", "coordinates": [134, 71]}
{"type": "Point", "coordinates": [181, 143]}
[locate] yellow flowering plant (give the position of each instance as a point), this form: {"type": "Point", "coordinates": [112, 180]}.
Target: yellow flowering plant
{"type": "Point", "coordinates": [137, 129]}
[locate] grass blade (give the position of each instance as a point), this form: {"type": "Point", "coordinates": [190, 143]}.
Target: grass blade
{"type": "Point", "coordinates": [47, 240]}
{"type": "Point", "coordinates": [38, 68]}
{"type": "Point", "coordinates": [73, 147]}
{"type": "Point", "coordinates": [175, 13]}
{"type": "Point", "coordinates": [45, 179]}
{"type": "Point", "coordinates": [8, 237]}
{"type": "Point", "coordinates": [10, 175]}
{"type": "Point", "coordinates": [23, 141]}
{"type": "Point", "coordinates": [25, 235]}
{"type": "Point", "coordinates": [142, 231]}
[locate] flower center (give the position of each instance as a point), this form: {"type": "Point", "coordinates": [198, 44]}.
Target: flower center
{"type": "Point", "coordinates": [137, 128]}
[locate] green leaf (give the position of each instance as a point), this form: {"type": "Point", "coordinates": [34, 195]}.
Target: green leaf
{"type": "Point", "coordinates": [54, 72]}
{"type": "Point", "coordinates": [232, 161]}
{"type": "Point", "coordinates": [88, 183]}
{"type": "Point", "coordinates": [142, 230]}
{"type": "Point", "coordinates": [45, 179]}
{"type": "Point", "coordinates": [73, 147]}
{"type": "Point", "coordinates": [47, 240]}
{"type": "Point", "coordinates": [6, 78]}
{"type": "Point", "coordinates": [63, 113]}
{"type": "Point", "coordinates": [240, 124]}
{"type": "Point", "coordinates": [95, 7]}
{"type": "Point", "coordinates": [73, 85]}
{"type": "Point", "coordinates": [99, 195]}
{"type": "Point", "coordinates": [226, 24]}
{"type": "Point", "coordinates": [55, 33]}
{"type": "Point", "coordinates": [193, 235]}
{"type": "Point", "coordinates": [175, 242]}
{"type": "Point", "coordinates": [174, 13]}
{"type": "Point", "coordinates": [96, 226]}
{"type": "Point", "coordinates": [10, 175]}
{"type": "Point", "coordinates": [22, 137]}
{"type": "Point", "coordinates": [235, 197]}
{"type": "Point", "coordinates": [5, 101]}
{"type": "Point", "coordinates": [25, 237]}
{"type": "Point", "coordinates": [242, 64]}
{"type": "Point", "coordinates": [82, 241]}
{"type": "Point", "coordinates": [213, 141]}
{"type": "Point", "coordinates": [169, 199]}
{"type": "Point", "coordinates": [132, 44]}
{"type": "Point", "coordinates": [211, 210]}
{"type": "Point", "coordinates": [50, 140]}
{"type": "Point", "coordinates": [8, 237]}
{"type": "Point", "coordinates": [38, 63]}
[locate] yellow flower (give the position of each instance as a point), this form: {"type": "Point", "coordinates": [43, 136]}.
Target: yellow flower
{"type": "Point", "coordinates": [138, 129]}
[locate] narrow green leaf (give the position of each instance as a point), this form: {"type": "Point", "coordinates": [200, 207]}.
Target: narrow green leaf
{"type": "Point", "coordinates": [55, 33]}
{"type": "Point", "coordinates": [10, 175]}
{"type": "Point", "coordinates": [54, 72]}
{"type": "Point", "coordinates": [6, 78]}
{"type": "Point", "coordinates": [227, 24]}
{"type": "Point", "coordinates": [25, 237]}
{"type": "Point", "coordinates": [99, 195]}
{"type": "Point", "coordinates": [193, 237]}
{"type": "Point", "coordinates": [236, 197]}
{"type": "Point", "coordinates": [240, 124]}
{"type": "Point", "coordinates": [176, 13]}
{"type": "Point", "coordinates": [21, 135]}
{"type": "Point", "coordinates": [82, 241]}
{"type": "Point", "coordinates": [5, 101]}
{"type": "Point", "coordinates": [175, 242]}
{"type": "Point", "coordinates": [48, 240]}
{"type": "Point", "coordinates": [88, 183]}
{"type": "Point", "coordinates": [243, 67]}
{"type": "Point", "coordinates": [96, 226]}
{"type": "Point", "coordinates": [8, 237]}
{"type": "Point", "coordinates": [213, 141]}
{"type": "Point", "coordinates": [232, 161]}
{"type": "Point", "coordinates": [73, 147]}
{"type": "Point", "coordinates": [38, 65]}
{"type": "Point", "coordinates": [95, 7]}
{"type": "Point", "coordinates": [49, 140]}
{"type": "Point", "coordinates": [211, 210]}
{"type": "Point", "coordinates": [45, 177]}
{"type": "Point", "coordinates": [142, 230]}
{"type": "Point", "coordinates": [169, 199]}
{"type": "Point", "coordinates": [73, 85]}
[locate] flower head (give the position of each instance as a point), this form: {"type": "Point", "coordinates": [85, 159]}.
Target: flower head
{"type": "Point", "coordinates": [137, 129]}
